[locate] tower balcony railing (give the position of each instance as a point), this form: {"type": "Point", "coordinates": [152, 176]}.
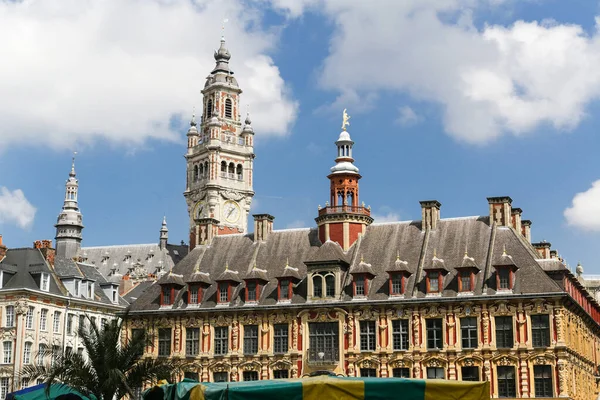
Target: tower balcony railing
{"type": "Point", "coordinates": [345, 209]}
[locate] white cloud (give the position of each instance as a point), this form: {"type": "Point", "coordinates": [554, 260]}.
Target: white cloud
{"type": "Point", "coordinates": [490, 82]}
{"type": "Point", "coordinates": [407, 116]}
{"type": "Point", "coordinates": [15, 208]}
{"type": "Point", "coordinates": [120, 69]}
{"type": "Point", "coordinates": [386, 217]}
{"type": "Point", "coordinates": [585, 209]}
{"type": "Point", "coordinates": [296, 224]}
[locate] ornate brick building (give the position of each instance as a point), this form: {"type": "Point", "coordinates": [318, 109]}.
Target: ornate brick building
{"type": "Point", "coordinates": [461, 298]}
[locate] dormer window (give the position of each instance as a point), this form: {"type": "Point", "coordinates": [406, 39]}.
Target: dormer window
{"type": "Point", "coordinates": [90, 290]}
{"type": "Point", "coordinates": [434, 281]}
{"type": "Point", "coordinates": [323, 284]}
{"type": "Point", "coordinates": [286, 281]}
{"type": "Point", "coordinates": [397, 283]}
{"type": "Point", "coordinates": [45, 282]}
{"type": "Point", "coordinates": [228, 108]}
{"type": "Point", "coordinates": [284, 290]}
{"type": "Point", "coordinates": [166, 295]}
{"type": "Point", "coordinates": [465, 281]}
{"type": "Point", "coordinates": [252, 289]}
{"type": "Point", "coordinates": [466, 274]}
{"type": "Point", "coordinates": [77, 287]}
{"type": "Point", "coordinates": [504, 279]}
{"type": "Point", "coordinates": [435, 275]}
{"type": "Point", "coordinates": [225, 285]}
{"type": "Point", "coordinates": [255, 280]}
{"type": "Point", "coordinates": [361, 285]}
{"type": "Point", "coordinates": [194, 294]}
{"type": "Point", "coordinates": [223, 292]}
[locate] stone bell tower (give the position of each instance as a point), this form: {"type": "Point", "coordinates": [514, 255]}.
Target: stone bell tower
{"type": "Point", "coordinates": [343, 219]}
{"type": "Point", "coordinates": [219, 159]}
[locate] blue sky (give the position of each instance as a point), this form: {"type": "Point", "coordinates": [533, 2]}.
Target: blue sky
{"type": "Point", "coordinates": [454, 100]}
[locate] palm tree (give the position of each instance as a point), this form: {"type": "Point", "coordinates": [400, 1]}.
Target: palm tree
{"type": "Point", "coordinates": [111, 368]}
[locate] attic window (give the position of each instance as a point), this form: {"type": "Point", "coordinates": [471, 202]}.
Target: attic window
{"type": "Point", "coordinates": [253, 291]}
{"type": "Point", "coordinates": [434, 281]}
{"type": "Point", "coordinates": [90, 290]}
{"type": "Point", "coordinates": [323, 284]}
{"type": "Point", "coordinates": [195, 294]}
{"type": "Point", "coordinates": [45, 282]}
{"type": "Point", "coordinates": [285, 289]}
{"type": "Point", "coordinates": [175, 252]}
{"type": "Point", "coordinates": [397, 283]}
{"type": "Point", "coordinates": [167, 296]}
{"type": "Point", "coordinates": [504, 278]}
{"type": "Point", "coordinates": [360, 285]}
{"type": "Point", "coordinates": [466, 281]}
{"type": "Point", "coordinates": [224, 292]}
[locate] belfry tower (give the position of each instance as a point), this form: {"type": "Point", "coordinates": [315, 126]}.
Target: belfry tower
{"type": "Point", "coordinates": [219, 159]}
{"type": "Point", "coordinates": [343, 219]}
{"type": "Point", "coordinates": [70, 222]}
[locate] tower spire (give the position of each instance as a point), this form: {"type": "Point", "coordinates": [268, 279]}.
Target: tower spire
{"type": "Point", "coordinates": [70, 221]}
{"type": "Point", "coordinates": [164, 234]}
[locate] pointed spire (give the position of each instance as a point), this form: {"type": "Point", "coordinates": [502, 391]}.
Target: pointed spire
{"type": "Point", "coordinates": [72, 173]}
{"type": "Point", "coordinates": [164, 234]}
{"type": "Point", "coordinates": [164, 224]}
{"type": "Point", "coordinates": [193, 121]}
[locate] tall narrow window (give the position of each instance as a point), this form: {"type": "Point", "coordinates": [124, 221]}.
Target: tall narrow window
{"type": "Point", "coordinates": [284, 289]}
{"type": "Point", "coordinates": [27, 353]}
{"type": "Point", "coordinates": [250, 339]}
{"type": "Point", "coordinates": [239, 172]}
{"type": "Point", "coordinates": [221, 340]}
{"type": "Point", "coordinates": [81, 322]}
{"type": "Point", "coordinates": [468, 331]}
{"type": "Point", "coordinates": [280, 336]}
{"type": "Point", "coordinates": [396, 284]}
{"type": "Point", "coordinates": [194, 295]}
{"type": "Point", "coordinates": [228, 108]}
{"type": "Point", "coordinates": [433, 282]}
{"type": "Point", "coordinates": [164, 342]}
{"type": "Point", "coordinates": [7, 352]}
{"type": "Point", "coordinates": [359, 286]}
{"type": "Point", "coordinates": [4, 385]}
{"type": "Point", "coordinates": [465, 281]}
{"type": "Point", "coordinates": [504, 333]}
{"type": "Point", "coordinates": [54, 355]}
{"type": "Point", "coordinates": [251, 291]}
{"type": "Point", "coordinates": [192, 341]}
{"type": "Point", "coordinates": [70, 323]}
{"type": "Point", "coordinates": [139, 334]}
{"type": "Point", "coordinates": [367, 335]}
{"type": "Point", "coordinates": [434, 334]}
{"type": "Point", "coordinates": [10, 316]}
{"type": "Point", "coordinates": [45, 282]}
{"type": "Point", "coordinates": [317, 285]}
{"type": "Point", "coordinates": [542, 380]}
{"type": "Point", "coordinates": [506, 382]}
{"type": "Point", "coordinates": [209, 108]}
{"type": "Point", "coordinates": [470, 374]}
{"type": "Point", "coordinates": [29, 318]}
{"type": "Point", "coordinates": [166, 295]}
{"type": "Point", "coordinates": [330, 286]}
{"type": "Point", "coordinates": [223, 292]}
{"type": "Point", "coordinates": [504, 281]}
{"type": "Point", "coordinates": [540, 330]}
{"type": "Point", "coordinates": [400, 334]}
{"type": "Point", "coordinates": [43, 319]}
{"type": "Point", "coordinates": [90, 290]}
{"type": "Point", "coordinates": [41, 354]}
{"type": "Point", "coordinates": [435, 373]}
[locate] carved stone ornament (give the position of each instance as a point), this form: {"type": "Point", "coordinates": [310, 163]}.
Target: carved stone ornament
{"type": "Point", "coordinates": [400, 363]}
{"type": "Point", "coordinates": [250, 366]}
{"type": "Point", "coordinates": [279, 317]}
{"type": "Point", "coordinates": [368, 363]}
{"type": "Point", "coordinates": [468, 362]}
{"type": "Point", "coordinates": [164, 322]}
{"type": "Point", "coordinates": [435, 362]}
{"type": "Point", "coordinates": [540, 360]}
{"type": "Point", "coordinates": [505, 361]}
{"type": "Point", "coordinates": [137, 323]}
{"type": "Point", "coordinates": [6, 371]}
{"type": "Point", "coordinates": [249, 319]}
{"type": "Point", "coordinates": [232, 195]}
{"type": "Point", "coordinates": [8, 334]}
{"type": "Point", "coordinates": [21, 306]}
{"type": "Point", "coordinates": [193, 322]}
{"type": "Point", "coordinates": [284, 363]}
{"type": "Point", "coordinates": [220, 320]}
{"type": "Point", "coordinates": [220, 366]}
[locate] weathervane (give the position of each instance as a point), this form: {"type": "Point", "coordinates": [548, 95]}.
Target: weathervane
{"type": "Point", "coordinates": [345, 119]}
{"type": "Point", "coordinates": [223, 28]}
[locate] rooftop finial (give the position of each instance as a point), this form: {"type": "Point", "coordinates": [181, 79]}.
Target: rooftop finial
{"type": "Point", "coordinates": [504, 249]}
{"type": "Point", "coordinates": [287, 261]}
{"type": "Point", "coordinates": [397, 254]}
{"type": "Point", "coordinates": [223, 29]}
{"type": "Point", "coordinates": [193, 121]}
{"type": "Point", "coordinates": [362, 259]}
{"type": "Point", "coordinates": [435, 252]}
{"type": "Point", "coordinates": [466, 252]}
{"type": "Point", "coordinates": [226, 265]}
{"type": "Point", "coordinates": [72, 173]}
{"type": "Point", "coordinates": [345, 120]}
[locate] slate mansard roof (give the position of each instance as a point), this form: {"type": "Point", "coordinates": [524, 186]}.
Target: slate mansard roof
{"type": "Point", "coordinates": [402, 246]}
{"type": "Point", "coordinates": [21, 268]}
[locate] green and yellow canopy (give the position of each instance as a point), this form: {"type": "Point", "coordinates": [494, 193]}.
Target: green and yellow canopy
{"type": "Point", "coordinates": [324, 388]}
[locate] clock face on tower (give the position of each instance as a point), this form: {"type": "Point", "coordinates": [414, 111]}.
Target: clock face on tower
{"type": "Point", "coordinates": [231, 211]}
{"type": "Point", "coordinates": [199, 210]}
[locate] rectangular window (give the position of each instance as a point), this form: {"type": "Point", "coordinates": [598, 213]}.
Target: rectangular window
{"type": "Point", "coordinates": [43, 319]}
{"type": "Point", "coordinates": [434, 334]}
{"type": "Point", "coordinates": [281, 374]}
{"type": "Point", "coordinates": [194, 295]}
{"type": "Point", "coordinates": [77, 287]}
{"type": "Point", "coordinates": [435, 373]}
{"type": "Point", "coordinates": [506, 382]}
{"type": "Point", "coordinates": [470, 374]}
{"type": "Point", "coordinates": [135, 333]}
{"type": "Point", "coordinates": [24, 382]}
{"type": "Point", "coordinates": [504, 332]}
{"type": "Point", "coordinates": [221, 340]}
{"type": "Point", "coordinates": [10, 316]}
{"type": "Point", "coordinates": [93, 320]}
{"type": "Point", "coordinates": [503, 279]}
{"type": "Point", "coordinates": [56, 322]}
{"type": "Point", "coordinates": [191, 375]}
{"type": "Point", "coordinates": [280, 336]}
{"type": "Point", "coordinates": [164, 342]}
{"type": "Point", "coordinates": [542, 380]}
{"type": "Point", "coordinates": [250, 375]}
{"type": "Point", "coordinates": [323, 342]}
{"type": "Point", "coordinates": [70, 323]}
{"type": "Point", "coordinates": [6, 352]}
{"type": "Point", "coordinates": [433, 278]}
{"type": "Point", "coordinates": [284, 289]}
{"type": "Point", "coordinates": [4, 385]}
{"type": "Point", "coordinates": [27, 353]}
{"type": "Point", "coordinates": [166, 296]}
{"type": "Point", "coordinates": [192, 341]}
{"type": "Point", "coordinates": [540, 330]}
{"type": "Point", "coordinates": [250, 339]}
{"type": "Point", "coordinates": [81, 321]}
{"type": "Point", "coordinates": [45, 282]}
{"type": "Point", "coordinates": [90, 290]}
{"type": "Point", "coordinates": [103, 322]}
{"type": "Point", "coordinates": [468, 331]}
{"type": "Point", "coordinates": [368, 372]}
{"type": "Point", "coordinates": [223, 292]}
{"type": "Point", "coordinates": [29, 318]}
{"type": "Point", "coordinates": [465, 281]}
{"type": "Point", "coordinates": [251, 291]}
{"type": "Point", "coordinates": [220, 377]}
{"type": "Point", "coordinates": [401, 372]}
{"type": "Point", "coordinates": [367, 335]}
{"type": "Point", "coordinates": [359, 286]}
{"type": "Point", "coordinates": [400, 334]}
{"type": "Point", "coordinates": [396, 287]}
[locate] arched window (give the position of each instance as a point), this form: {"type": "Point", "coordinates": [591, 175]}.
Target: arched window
{"type": "Point", "coordinates": [340, 199]}
{"type": "Point", "coordinates": [330, 285]}
{"type": "Point", "coordinates": [317, 285]}
{"type": "Point", "coordinates": [228, 108]}
{"type": "Point", "coordinates": [239, 172]}
{"type": "Point", "coordinates": [223, 169]}
{"type": "Point", "coordinates": [205, 169]}
{"type": "Point", "coordinates": [232, 169]}
{"type": "Point", "coordinates": [200, 171]}
{"type": "Point", "coordinates": [209, 108]}
{"type": "Point", "coordinates": [350, 198]}
{"type": "Point", "coordinates": [195, 173]}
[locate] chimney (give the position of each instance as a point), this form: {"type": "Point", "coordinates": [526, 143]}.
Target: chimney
{"type": "Point", "coordinates": [543, 249]}
{"type": "Point", "coordinates": [526, 229]}
{"type": "Point", "coordinates": [430, 213]}
{"type": "Point", "coordinates": [500, 210]}
{"type": "Point", "coordinates": [263, 225]}
{"type": "Point", "coordinates": [516, 219]}
{"type": "Point", "coordinates": [45, 247]}
{"type": "Point", "coordinates": [204, 232]}
{"type": "Point", "coordinates": [2, 249]}
{"type": "Point", "coordinates": [553, 253]}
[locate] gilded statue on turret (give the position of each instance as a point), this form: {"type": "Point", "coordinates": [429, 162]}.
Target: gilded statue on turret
{"type": "Point", "coordinates": [345, 119]}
